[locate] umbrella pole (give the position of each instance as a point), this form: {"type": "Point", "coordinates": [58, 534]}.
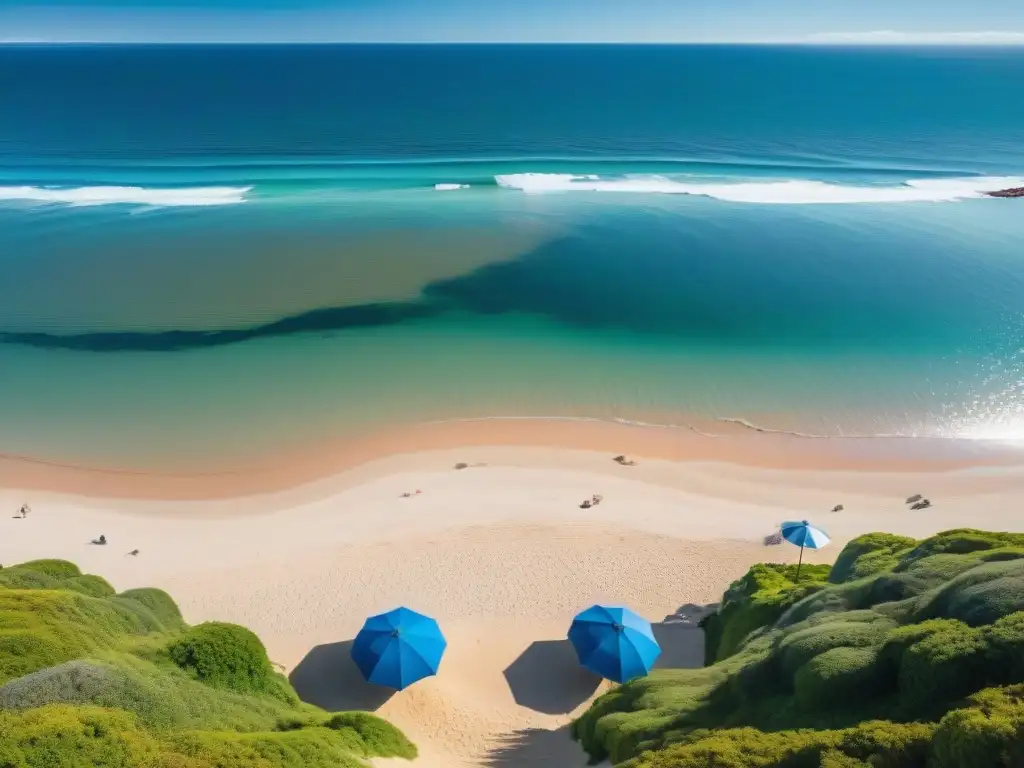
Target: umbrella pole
{"type": "Point", "coordinates": [800, 562]}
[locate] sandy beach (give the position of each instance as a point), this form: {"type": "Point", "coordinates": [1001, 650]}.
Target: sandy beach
{"type": "Point", "coordinates": [500, 552]}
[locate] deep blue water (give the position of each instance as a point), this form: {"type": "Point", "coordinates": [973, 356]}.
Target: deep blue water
{"type": "Point", "coordinates": [306, 113]}
{"type": "Point", "coordinates": [725, 231]}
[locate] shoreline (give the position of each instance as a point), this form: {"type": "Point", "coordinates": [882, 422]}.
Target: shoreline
{"type": "Point", "coordinates": [726, 441]}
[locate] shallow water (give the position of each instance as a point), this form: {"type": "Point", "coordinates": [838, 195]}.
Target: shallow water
{"type": "Point", "coordinates": [275, 266]}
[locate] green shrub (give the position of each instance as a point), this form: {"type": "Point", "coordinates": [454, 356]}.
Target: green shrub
{"type": "Point", "coordinates": [962, 541]}
{"type": "Point", "coordinates": [754, 602]}
{"type": "Point", "coordinates": [938, 569]}
{"type": "Point", "coordinates": [883, 744]}
{"type": "Point", "coordinates": [91, 737]}
{"type": "Point", "coordinates": [89, 678]}
{"type": "Point", "coordinates": [875, 744]}
{"type": "Point", "coordinates": [909, 638]}
{"type": "Point", "coordinates": [867, 555]}
{"type": "Point", "coordinates": [380, 737]}
{"type": "Point", "coordinates": [850, 675]}
{"type": "Point", "coordinates": [1002, 554]}
{"type": "Point", "coordinates": [798, 648]}
{"type": "Point", "coordinates": [306, 748]}
{"type": "Point", "coordinates": [837, 598]}
{"type": "Point", "coordinates": [897, 641]}
{"type": "Point", "coordinates": [835, 759]}
{"type": "Point", "coordinates": [73, 682]}
{"type": "Point", "coordinates": [981, 595]}
{"type": "Point", "coordinates": [225, 656]}
{"type": "Point", "coordinates": [41, 628]}
{"type": "Point", "coordinates": [16, 578]}
{"type": "Point", "coordinates": [942, 668]}
{"type": "Point", "coordinates": [76, 737]}
{"type": "Point", "coordinates": [990, 733]}
{"type": "Point", "coordinates": [1004, 650]}
{"type": "Point", "coordinates": [159, 603]}
{"type": "Point", "coordinates": [94, 586]}
{"type": "Point", "coordinates": [59, 570]}
{"type": "Point", "coordinates": [894, 587]}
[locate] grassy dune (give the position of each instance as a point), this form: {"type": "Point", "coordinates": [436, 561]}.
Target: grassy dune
{"type": "Point", "coordinates": [92, 678]}
{"type": "Point", "coordinates": [905, 654]}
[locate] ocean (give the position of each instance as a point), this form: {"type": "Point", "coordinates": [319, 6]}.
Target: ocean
{"type": "Point", "coordinates": [213, 254]}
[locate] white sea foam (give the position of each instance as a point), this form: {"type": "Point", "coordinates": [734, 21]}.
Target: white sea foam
{"type": "Point", "coordinates": [800, 192]}
{"type": "Point", "coordinates": [87, 196]}
{"type": "Point", "coordinates": [450, 187]}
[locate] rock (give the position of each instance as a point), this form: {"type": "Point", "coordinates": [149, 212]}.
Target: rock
{"type": "Point", "coordinates": [1013, 192]}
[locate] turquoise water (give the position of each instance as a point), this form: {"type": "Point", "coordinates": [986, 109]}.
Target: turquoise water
{"type": "Point", "coordinates": [214, 253]}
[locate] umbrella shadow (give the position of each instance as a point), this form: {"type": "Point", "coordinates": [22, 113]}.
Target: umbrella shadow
{"type": "Point", "coordinates": [328, 678]}
{"type": "Point", "coordinates": [681, 638]}
{"type": "Point", "coordinates": [536, 748]}
{"type": "Point", "coordinates": [547, 678]}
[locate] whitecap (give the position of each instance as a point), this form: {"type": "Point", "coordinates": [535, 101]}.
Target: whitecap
{"type": "Point", "coordinates": [90, 196]}
{"type": "Point", "coordinates": [769, 192]}
{"type": "Point", "coordinates": [450, 187]}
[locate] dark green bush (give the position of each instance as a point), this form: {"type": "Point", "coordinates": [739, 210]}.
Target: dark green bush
{"type": "Point", "coordinates": [962, 541]}
{"type": "Point", "coordinates": [225, 656]}
{"type": "Point", "coordinates": [849, 675]}
{"type": "Point", "coordinates": [883, 744]}
{"type": "Point", "coordinates": [990, 733]}
{"type": "Point", "coordinates": [942, 668]}
{"type": "Point", "coordinates": [894, 587]}
{"type": "Point", "coordinates": [910, 638]}
{"type": "Point", "coordinates": [798, 648]}
{"type": "Point", "coordinates": [939, 569]}
{"type": "Point", "coordinates": [980, 595]}
{"type": "Point", "coordinates": [875, 744]}
{"type": "Point", "coordinates": [1004, 650]}
{"type": "Point", "coordinates": [899, 639]}
{"type": "Point", "coordinates": [835, 759]}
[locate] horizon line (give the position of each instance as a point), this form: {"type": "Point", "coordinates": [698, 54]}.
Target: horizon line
{"type": "Point", "coordinates": [804, 43]}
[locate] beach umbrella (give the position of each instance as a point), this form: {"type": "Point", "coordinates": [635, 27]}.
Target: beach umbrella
{"type": "Point", "coordinates": [614, 643]}
{"type": "Point", "coordinates": [398, 648]}
{"type": "Point", "coordinates": [804, 535]}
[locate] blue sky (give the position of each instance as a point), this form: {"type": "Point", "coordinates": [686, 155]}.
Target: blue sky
{"type": "Point", "coordinates": [993, 21]}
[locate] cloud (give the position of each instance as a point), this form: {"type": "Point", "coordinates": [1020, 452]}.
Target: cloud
{"type": "Point", "coordinates": [891, 37]}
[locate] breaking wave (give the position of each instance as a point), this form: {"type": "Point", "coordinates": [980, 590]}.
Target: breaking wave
{"type": "Point", "coordinates": [793, 192]}
{"type": "Point", "coordinates": [111, 195]}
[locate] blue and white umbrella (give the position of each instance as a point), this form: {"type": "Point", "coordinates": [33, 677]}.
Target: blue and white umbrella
{"type": "Point", "coordinates": [804, 535]}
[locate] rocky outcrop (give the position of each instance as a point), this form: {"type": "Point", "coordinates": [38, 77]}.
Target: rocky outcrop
{"type": "Point", "coordinates": [1014, 192]}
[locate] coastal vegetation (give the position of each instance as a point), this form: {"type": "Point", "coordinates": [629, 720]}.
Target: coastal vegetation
{"type": "Point", "coordinates": [904, 654]}
{"type": "Point", "coordinates": [89, 677]}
